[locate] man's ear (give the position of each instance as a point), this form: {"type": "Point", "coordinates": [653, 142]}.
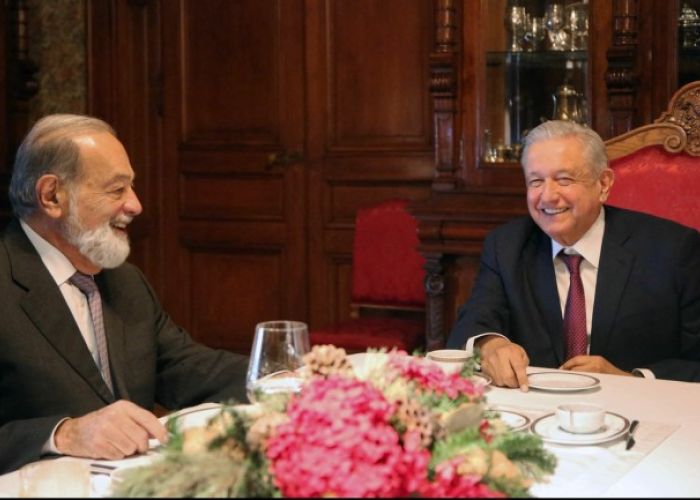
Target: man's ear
{"type": "Point", "coordinates": [51, 196]}
{"type": "Point", "coordinates": [606, 179]}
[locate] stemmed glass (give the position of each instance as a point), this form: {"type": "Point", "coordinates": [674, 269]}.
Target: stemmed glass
{"type": "Point", "coordinates": [275, 361]}
{"type": "Point", "coordinates": [516, 24]}
{"type": "Point", "coordinates": [578, 26]}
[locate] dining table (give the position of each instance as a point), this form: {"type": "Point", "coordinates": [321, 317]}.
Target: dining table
{"type": "Point", "coordinates": [659, 459]}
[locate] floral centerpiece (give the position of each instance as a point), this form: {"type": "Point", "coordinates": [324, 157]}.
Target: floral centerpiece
{"type": "Point", "coordinates": [397, 426]}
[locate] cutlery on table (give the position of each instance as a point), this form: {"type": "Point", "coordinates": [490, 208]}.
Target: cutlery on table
{"type": "Point", "coordinates": [630, 435]}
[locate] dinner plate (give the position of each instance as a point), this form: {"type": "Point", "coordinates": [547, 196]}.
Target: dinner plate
{"type": "Point", "coordinates": [548, 429]}
{"type": "Point", "coordinates": [514, 420]}
{"type": "Point", "coordinates": [561, 381]}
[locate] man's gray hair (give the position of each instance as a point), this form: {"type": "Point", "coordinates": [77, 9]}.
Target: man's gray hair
{"type": "Point", "coordinates": [49, 148]}
{"type": "Point", "coordinates": [595, 155]}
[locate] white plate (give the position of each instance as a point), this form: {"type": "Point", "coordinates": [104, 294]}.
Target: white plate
{"type": "Point", "coordinates": [561, 381]}
{"type": "Point", "coordinates": [195, 416]}
{"type": "Point", "coordinates": [516, 421]}
{"type": "Point", "coordinates": [548, 429]}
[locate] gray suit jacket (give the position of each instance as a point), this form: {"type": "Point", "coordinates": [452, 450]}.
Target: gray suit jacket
{"type": "Point", "coordinates": [647, 302]}
{"type": "Point", "coordinates": [47, 372]}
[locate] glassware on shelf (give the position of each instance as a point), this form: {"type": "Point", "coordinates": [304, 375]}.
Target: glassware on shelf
{"type": "Point", "coordinates": [689, 26]}
{"type": "Point", "coordinates": [535, 34]}
{"type": "Point", "coordinates": [555, 22]}
{"type": "Point", "coordinates": [275, 361]}
{"type": "Point", "coordinates": [516, 24]}
{"type": "Point", "coordinates": [577, 17]}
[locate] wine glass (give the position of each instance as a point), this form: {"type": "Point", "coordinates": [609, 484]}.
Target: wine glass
{"type": "Point", "coordinates": [516, 23]}
{"type": "Point", "coordinates": [275, 361]}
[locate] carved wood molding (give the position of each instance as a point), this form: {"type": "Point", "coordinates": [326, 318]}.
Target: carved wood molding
{"type": "Point", "coordinates": [444, 71]}
{"type": "Point", "coordinates": [677, 129]}
{"type": "Point", "coordinates": [622, 76]}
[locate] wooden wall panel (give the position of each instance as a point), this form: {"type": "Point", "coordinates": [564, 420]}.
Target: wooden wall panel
{"type": "Point", "coordinates": [231, 95]}
{"type": "Point", "coordinates": [210, 196]}
{"type": "Point", "coordinates": [379, 53]}
{"type": "Point", "coordinates": [225, 302]}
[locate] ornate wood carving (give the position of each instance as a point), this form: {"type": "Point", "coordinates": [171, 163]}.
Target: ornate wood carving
{"type": "Point", "coordinates": [435, 302]}
{"type": "Point", "coordinates": [622, 77]}
{"type": "Point", "coordinates": [443, 89]}
{"type": "Point", "coordinates": [677, 129]}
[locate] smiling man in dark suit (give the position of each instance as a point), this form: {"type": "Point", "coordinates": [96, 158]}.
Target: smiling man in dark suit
{"type": "Point", "coordinates": [640, 275]}
{"type": "Point", "coordinates": [79, 373]}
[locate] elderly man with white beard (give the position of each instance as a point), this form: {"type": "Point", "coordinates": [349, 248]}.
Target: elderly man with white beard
{"type": "Point", "coordinates": [85, 348]}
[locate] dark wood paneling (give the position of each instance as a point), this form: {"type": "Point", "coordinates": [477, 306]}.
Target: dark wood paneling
{"type": "Point", "coordinates": [231, 292]}
{"type": "Point", "coordinates": [378, 52]}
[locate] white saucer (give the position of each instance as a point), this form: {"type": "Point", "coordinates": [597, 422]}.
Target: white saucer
{"type": "Point", "coordinates": [482, 379]}
{"type": "Point", "coordinates": [561, 381]}
{"type": "Point", "coordinates": [514, 420]}
{"type": "Point", "coordinates": [548, 429]}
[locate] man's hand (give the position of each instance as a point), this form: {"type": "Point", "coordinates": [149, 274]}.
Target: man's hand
{"type": "Point", "coordinates": [596, 364]}
{"type": "Point", "coordinates": [113, 432]}
{"type": "Point", "coordinates": [504, 361]}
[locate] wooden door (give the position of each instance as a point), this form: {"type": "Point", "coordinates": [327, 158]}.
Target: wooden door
{"type": "Point", "coordinates": [233, 186]}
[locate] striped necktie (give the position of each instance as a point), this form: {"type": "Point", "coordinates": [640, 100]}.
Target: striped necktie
{"type": "Point", "coordinates": [87, 285]}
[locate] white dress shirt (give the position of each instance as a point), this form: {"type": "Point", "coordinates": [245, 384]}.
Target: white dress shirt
{"type": "Point", "coordinates": [588, 247]}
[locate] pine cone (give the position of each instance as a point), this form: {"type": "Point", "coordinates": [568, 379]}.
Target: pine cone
{"type": "Point", "coordinates": [413, 416]}
{"type": "Point", "coordinates": [326, 360]}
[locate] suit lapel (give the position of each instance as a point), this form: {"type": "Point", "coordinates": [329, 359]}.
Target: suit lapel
{"type": "Point", "coordinates": [539, 271]}
{"type": "Point", "coordinates": [613, 273]}
{"type": "Point", "coordinates": [47, 309]}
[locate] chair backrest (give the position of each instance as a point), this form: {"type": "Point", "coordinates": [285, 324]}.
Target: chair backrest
{"type": "Point", "coordinates": [387, 267]}
{"type": "Point", "coordinates": [657, 166]}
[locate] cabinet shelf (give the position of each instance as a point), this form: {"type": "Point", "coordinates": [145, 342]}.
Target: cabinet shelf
{"type": "Point", "coordinates": [539, 59]}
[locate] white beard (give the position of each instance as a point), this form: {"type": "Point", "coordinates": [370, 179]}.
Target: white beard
{"type": "Point", "coordinates": [102, 246]}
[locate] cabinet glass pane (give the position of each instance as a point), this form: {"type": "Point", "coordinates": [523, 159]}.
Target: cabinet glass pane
{"type": "Point", "coordinates": [536, 69]}
{"type": "Point", "coordinates": [689, 42]}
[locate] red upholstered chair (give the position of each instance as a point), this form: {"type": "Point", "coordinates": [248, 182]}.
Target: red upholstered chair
{"type": "Point", "coordinates": [388, 298]}
{"type": "Point", "coordinates": [657, 166]}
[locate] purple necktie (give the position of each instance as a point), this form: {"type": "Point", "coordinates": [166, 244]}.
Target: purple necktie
{"type": "Point", "coordinates": [87, 285]}
{"type": "Point", "coordinates": [575, 311]}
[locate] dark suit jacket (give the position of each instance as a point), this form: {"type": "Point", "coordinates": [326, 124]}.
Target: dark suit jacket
{"type": "Point", "coordinates": [647, 303]}
{"type": "Point", "coordinates": [47, 372]}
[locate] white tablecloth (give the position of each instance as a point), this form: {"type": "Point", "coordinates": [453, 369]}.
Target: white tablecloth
{"type": "Point", "coordinates": [664, 463]}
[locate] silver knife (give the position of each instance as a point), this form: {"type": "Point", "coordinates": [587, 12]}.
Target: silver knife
{"type": "Point", "coordinates": [630, 435]}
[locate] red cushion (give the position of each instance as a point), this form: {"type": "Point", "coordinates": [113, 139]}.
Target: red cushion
{"type": "Point", "coordinates": [654, 181]}
{"type": "Point", "coordinates": [358, 334]}
{"type": "Point", "coordinates": [387, 267]}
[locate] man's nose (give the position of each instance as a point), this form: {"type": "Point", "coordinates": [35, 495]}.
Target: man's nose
{"type": "Point", "coordinates": [133, 206]}
{"type": "Point", "coordinates": [550, 190]}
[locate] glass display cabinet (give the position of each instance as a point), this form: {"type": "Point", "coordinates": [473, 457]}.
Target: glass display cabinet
{"type": "Point", "coordinates": [536, 69]}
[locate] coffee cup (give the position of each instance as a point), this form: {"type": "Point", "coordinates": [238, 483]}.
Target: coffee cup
{"type": "Point", "coordinates": [450, 360]}
{"type": "Point", "coordinates": [580, 418]}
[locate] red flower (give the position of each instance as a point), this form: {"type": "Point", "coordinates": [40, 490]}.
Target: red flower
{"type": "Point", "coordinates": [339, 442]}
{"type": "Point", "coordinates": [449, 484]}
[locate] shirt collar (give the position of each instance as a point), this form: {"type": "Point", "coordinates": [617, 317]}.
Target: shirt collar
{"type": "Point", "coordinates": [57, 264]}
{"type": "Point", "coordinates": [589, 245]}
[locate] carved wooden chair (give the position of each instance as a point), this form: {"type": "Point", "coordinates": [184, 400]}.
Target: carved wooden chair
{"type": "Point", "coordinates": [657, 166]}
{"type": "Point", "coordinates": [388, 297]}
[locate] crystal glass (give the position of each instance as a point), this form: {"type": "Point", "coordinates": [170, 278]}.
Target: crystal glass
{"type": "Point", "coordinates": [275, 361]}
{"type": "Point", "coordinates": [535, 34]}
{"type": "Point", "coordinates": [578, 26]}
{"type": "Point", "coordinates": [516, 21]}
